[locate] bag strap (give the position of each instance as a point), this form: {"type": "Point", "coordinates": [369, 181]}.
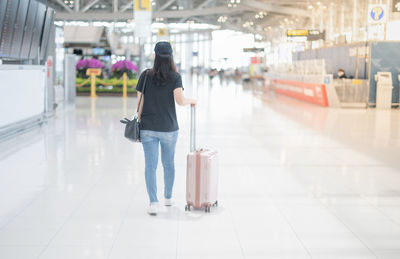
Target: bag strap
{"type": "Point", "coordinates": [144, 86]}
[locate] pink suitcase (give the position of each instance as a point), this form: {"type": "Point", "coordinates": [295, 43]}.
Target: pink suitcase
{"type": "Point", "coordinates": [202, 174]}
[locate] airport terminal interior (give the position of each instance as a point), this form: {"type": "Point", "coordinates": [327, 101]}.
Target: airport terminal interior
{"type": "Point", "coordinates": [297, 100]}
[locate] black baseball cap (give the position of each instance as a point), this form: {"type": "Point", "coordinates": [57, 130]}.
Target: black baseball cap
{"type": "Point", "coordinates": [163, 49]}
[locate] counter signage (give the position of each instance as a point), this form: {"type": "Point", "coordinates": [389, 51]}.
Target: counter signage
{"type": "Point", "coordinates": [327, 80]}
{"type": "Point", "coordinates": [360, 51]}
{"type": "Point", "coordinates": [377, 13]}
{"type": "Point", "coordinates": [396, 6]}
{"type": "Point", "coordinates": [309, 92]}
{"type": "Point", "coordinates": [93, 71]}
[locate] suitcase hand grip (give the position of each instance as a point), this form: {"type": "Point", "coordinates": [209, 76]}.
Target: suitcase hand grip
{"type": "Point", "coordinates": [192, 128]}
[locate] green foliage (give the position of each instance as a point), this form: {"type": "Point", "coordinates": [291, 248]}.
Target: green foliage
{"type": "Point", "coordinates": [131, 83]}
{"type": "Point", "coordinates": [80, 80]}
{"type": "Point", "coordinates": [104, 90]}
{"type": "Point", "coordinates": [129, 73]}
{"type": "Point", "coordinates": [81, 73]}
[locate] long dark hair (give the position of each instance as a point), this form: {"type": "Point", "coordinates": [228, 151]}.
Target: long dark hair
{"type": "Point", "coordinates": [162, 69]}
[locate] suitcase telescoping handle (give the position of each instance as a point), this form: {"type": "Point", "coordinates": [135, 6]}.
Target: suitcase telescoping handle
{"type": "Point", "coordinates": [192, 128]}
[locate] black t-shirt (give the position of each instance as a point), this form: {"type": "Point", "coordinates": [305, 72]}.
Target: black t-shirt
{"type": "Point", "coordinates": [158, 113]}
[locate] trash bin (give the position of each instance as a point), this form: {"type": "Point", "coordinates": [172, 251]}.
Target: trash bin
{"type": "Point", "coordinates": [384, 89]}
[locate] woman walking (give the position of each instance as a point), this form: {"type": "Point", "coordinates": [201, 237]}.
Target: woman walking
{"type": "Point", "coordinates": [158, 122]}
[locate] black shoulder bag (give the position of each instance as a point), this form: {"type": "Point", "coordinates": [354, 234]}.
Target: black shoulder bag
{"type": "Point", "coordinates": [132, 128]}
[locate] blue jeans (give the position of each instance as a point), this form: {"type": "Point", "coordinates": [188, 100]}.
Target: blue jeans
{"type": "Point", "coordinates": [150, 141]}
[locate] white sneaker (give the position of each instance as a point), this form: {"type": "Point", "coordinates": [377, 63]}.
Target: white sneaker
{"type": "Point", "coordinates": [153, 209]}
{"type": "Point", "coordinates": [168, 202]}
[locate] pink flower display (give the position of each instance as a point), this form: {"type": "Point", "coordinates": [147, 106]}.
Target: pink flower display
{"type": "Point", "coordinates": [81, 64]}
{"type": "Point", "coordinates": [89, 63]}
{"type": "Point", "coordinates": [94, 63]}
{"type": "Point", "coordinates": [124, 66]}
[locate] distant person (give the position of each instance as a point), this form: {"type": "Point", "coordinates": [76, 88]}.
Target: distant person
{"type": "Point", "coordinates": [212, 73]}
{"type": "Point", "coordinates": [158, 122]}
{"type": "Point", "coordinates": [341, 74]}
{"type": "Point", "coordinates": [237, 72]}
{"type": "Point", "coordinates": [221, 74]}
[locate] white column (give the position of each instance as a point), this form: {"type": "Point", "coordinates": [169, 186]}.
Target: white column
{"type": "Point", "coordinates": [209, 40]}
{"type": "Point", "coordinates": [342, 19]}
{"type": "Point", "coordinates": [198, 49]}
{"type": "Point", "coordinates": [355, 31]}
{"type": "Point", "coordinates": [183, 50]}
{"type": "Point", "coordinates": [189, 52]}
{"type": "Point", "coordinates": [76, 6]}
{"type": "Point", "coordinates": [203, 48]}
{"type": "Point", "coordinates": [115, 6]}
{"type": "Point", "coordinates": [331, 32]}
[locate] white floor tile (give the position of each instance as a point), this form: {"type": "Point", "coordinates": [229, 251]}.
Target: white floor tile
{"type": "Point", "coordinates": [149, 251]}
{"type": "Point", "coordinates": [20, 252]}
{"type": "Point", "coordinates": [296, 181]}
{"type": "Point", "coordinates": [26, 236]}
{"type": "Point", "coordinates": [76, 252]}
{"type": "Point", "coordinates": [342, 253]}
{"type": "Point", "coordinates": [91, 232]}
{"type": "Point", "coordinates": [388, 254]}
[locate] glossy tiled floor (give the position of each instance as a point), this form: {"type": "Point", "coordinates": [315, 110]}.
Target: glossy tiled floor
{"type": "Point", "coordinates": [296, 181]}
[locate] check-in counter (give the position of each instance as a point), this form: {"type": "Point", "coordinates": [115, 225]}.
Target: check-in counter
{"type": "Point", "coordinates": [299, 87]}
{"type": "Point", "coordinates": [22, 98]}
{"type": "Point", "coordinates": [309, 92]}
{"type": "Point", "coordinates": [320, 90]}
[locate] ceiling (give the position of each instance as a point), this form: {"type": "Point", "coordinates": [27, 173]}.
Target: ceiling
{"type": "Point", "coordinates": [252, 16]}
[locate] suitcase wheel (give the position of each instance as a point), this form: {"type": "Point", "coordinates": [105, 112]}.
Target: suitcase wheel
{"type": "Point", "coordinates": [215, 204]}
{"type": "Point", "coordinates": [208, 208]}
{"type": "Point", "coordinates": [187, 207]}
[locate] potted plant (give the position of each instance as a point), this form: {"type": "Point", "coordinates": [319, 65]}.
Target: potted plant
{"type": "Point", "coordinates": [84, 64]}
{"type": "Point", "coordinates": [124, 66]}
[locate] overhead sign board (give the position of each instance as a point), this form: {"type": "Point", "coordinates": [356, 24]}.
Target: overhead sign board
{"type": "Point", "coordinates": [377, 13]}
{"type": "Point", "coordinates": [253, 49]}
{"type": "Point", "coordinates": [162, 32]}
{"type": "Point", "coordinates": [396, 6]}
{"type": "Point", "coordinates": [142, 5]}
{"type": "Point", "coordinates": [295, 33]}
{"type": "Point", "coordinates": [142, 14]}
{"type": "Point", "coordinates": [315, 35]}
{"type": "Point", "coordinates": [310, 34]}
{"type": "Point", "coordinates": [255, 60]}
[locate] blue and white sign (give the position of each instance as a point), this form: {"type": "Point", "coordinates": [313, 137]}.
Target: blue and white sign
{"type": "Point", "coordinates": [327, 79]}
{"type": "Point", "coordinates": [377, 13]}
